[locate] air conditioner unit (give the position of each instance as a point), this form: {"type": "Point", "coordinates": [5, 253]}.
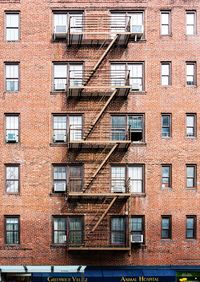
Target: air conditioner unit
{"type": "Point", "coordinates": [136, 87]}
{"type": "Point", "coordinates": [60, 31]}
{"type": "Point", "coordinates": [137, 238]}
{"type": "Point", "coordinates": [59, 137]}
{"type": "Point", "coordinates": [59, 187]}
{"type": "Point", "coordinates": [118, 189]}
{"type": "Point", "coordinates": [11, 137]}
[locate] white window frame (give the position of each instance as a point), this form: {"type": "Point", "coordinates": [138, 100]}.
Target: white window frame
{"type": "Point", "coordinates": [168, 13]}
{"type": "Point", "coordinates": [13, 77]}
{"type": "Point", "coordinates": [193, 75]}
{"type": "Point", "coordinates": [12, 119]}
{"type": "Point", "coordinates": [12, 27]}
{"type": "Point", "coordinates": [166, 75]}
{"type": "Point", "coordinates": [188, 25]}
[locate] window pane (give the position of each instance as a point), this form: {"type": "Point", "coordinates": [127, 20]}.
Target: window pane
{"type": "Point", "coordinates": [12, 71]}
{"type": "Point", "coordinates": [165, 120]}
{"type": "Point", "coordinates": [190, 182]}
{"type": "Point", "coordinates": [190, 17]}
{"type": "Point", "coordinates": [190, 121]}
{"type": "Point", "coordinates": [59, 224]}
{"type": "Point", "coordinates": [60, 122]}
{"type": "Point", "coordinates": [12, 20]}
{"type": "Point", "coordinates": [190, 222]}
{"type": "Point", "coordinates": [164, 18]}
{"type": "Point", "coordinates": [12, 34]}
{"type": "Point", "coordinates": [164, 29]}
{"type": "Point", "coordinates": [60, 172]}
{"type": "Point", "coordinates": [135, 122]}
{"type": "Point", "coordinates": [165, 223]}
{"type": "Point", "coordinates": [190, 171]}
{"type": "Point", "coordinates": [118, 179]}
{"type": "Point", "coordinates": [190, 69]}
{"type": "Point", "coordinates": [136, 224]}
{"type": "Point", "coordinates": [165, 69]}
{"type": "Point", "coordinates": [165, 171]}
{"type": "Point", "coordinates": [190, 233]}
{"type": "Point", "coordinates": [165, 80]}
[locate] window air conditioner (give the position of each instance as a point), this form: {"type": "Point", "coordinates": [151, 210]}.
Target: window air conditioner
{"type": "Point", "coordinates": [11, 137]}
{"type": "Point", "coordinates": [136, 87]}
{"type": "Point", "coordinates": [136, 238]}
{"type": "Point", "coordinates": [59, 137]}
{"type": "Point", "coordinates": [60, 29]}
{"type": "Point", "coordinates": [59, 187]}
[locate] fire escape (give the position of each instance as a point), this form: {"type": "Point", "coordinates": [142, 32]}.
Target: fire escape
{"type": "Point", "coordinates": [104, 34]}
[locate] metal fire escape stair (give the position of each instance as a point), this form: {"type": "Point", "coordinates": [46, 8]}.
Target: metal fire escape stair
{"type": "Point", "coordinates": [93, 124]}
{"type": "Point", "coordinates": [87, 185]}
{"type": "Point", "coordinates": [94, 69]}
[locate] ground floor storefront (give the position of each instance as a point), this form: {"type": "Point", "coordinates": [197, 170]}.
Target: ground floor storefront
{"type": "Point", "coordinates": [100, 274]}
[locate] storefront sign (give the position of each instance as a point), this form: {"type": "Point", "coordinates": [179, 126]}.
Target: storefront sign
{"type": "Point", "coordinates": [66, 279]}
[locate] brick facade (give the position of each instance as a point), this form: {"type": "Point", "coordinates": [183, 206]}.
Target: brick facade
{"type": "Point", "coordinates": [36, 103]}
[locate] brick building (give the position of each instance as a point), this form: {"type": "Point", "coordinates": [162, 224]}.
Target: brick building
{"type": "Point", "coordinates": [99, 145]}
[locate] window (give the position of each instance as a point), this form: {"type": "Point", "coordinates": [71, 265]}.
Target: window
{"type": "Point", "coordinates": [12, 230]}
{"type": "Point", "coordinates": [63, 124]}
{"type": "Point", "coordinates": [124, 177]}
{"type": "Point", "coordinates": [68, 230]}
{"type": "Point", "coordinates": [137, 229]}
{"type": "Point", "coordinates": [166, 125]}
{"type": "Point", "coordinates": [118, 180]}
{"type": "Point", "coordinates": [12, 77]}
{"type": "Point", "coordinates": [165, 22]}
{"type": "Point", "coordinates": [66, 74]}
{"type": "Point", "coordinates": [191, 226]}
{"type": "Point", "coordinates": [12, 178]}
{"type": "Point", "coordinates": [191, 125]}
{"type": "Point", "coordinates": [63, 19]}
{"type": "Point", "coordinates": [190, 22]}
{"type": "Point", "coordinates": [12, 128]}
{"type": "Point", "coordinates": [118, 230]}
{"type": "Point", "coordinates": [166, 180]}
{"type": "Point", "coordinates": [130, 126]}
{"type": "Point", "coordinates": [166, 227]}
{"type": "Point", "coordinates": [119, 21]}
{"type": "Point", "coordinates": [191, 175]}
{"type": "Point", "coordinates": [165, 73]}
{"type": "Point", "coordinates": [136, 75]}
{"type": "Point", "coordinates": [136, 178]}
{"type": "Point", "coordinates": [67, 176]}
{"type": "Point", "coordinates": [191, 73]}
{"type": "Point", "coordinates": [12, 26]}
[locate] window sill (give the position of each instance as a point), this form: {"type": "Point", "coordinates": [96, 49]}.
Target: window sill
{"type": "Point", "coordinates": [14, 247]}
{"type": "Point", "coordinates": [138, 143]}
{"type": "Point", "coordinates": [167, 240]}
{"type": "Point", "coordinates": [57, 92]}
{"type": "Point", "coordinates": [191, 86]}
{"type": "Point", "coordinates": [11, 194]}
{"type": "Point", "coordinates": [10, 92]}
{"type": "Point", "coordinates": [191, 189]}
{"type": "Point", "coordinates": [166, 188]}
{"type": "Point", "coordinates": [138, 92]}
{"type": "Point", "coordinates": [57, 246]}
{"type": "Point", "coordinates": [58, 144]}
{"type": "Point", "coordinates": [141, 195]}
{"type": "Point", "coordinates": [58, 194]}
{"type": "Point", "coordinates": [191, 138]}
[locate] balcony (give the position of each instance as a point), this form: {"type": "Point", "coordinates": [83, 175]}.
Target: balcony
{"type": "Point", "coordinates": [100, 240]}
{"type": "Point", "coordinates": [98, 29]}
{"type": "Point", "coordinates": [104, 82]}
{"type": "Point", "coordinates": [104, 136]}
{"type": "Point", "coordinates": [119, 188]}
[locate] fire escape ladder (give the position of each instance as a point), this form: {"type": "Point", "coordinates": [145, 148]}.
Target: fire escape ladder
{"type": "Point", "coordinates": [104, 214]}
{"type": "Point", "coordinates": [100, 60]}
{"type": "Point", "coordinates": [92, 126]}
{"type": "Point", "coordinates": [100, 167]}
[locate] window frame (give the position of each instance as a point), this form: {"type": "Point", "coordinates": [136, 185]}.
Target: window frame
{"type": "Point", "coordinates": [119, 231]}
{"type": "Point", "coordinates": [142, 115]}
{"type": "Point", "coordinates": [194, 12]}
{"type": "Point", "coordinates": [17, 130]}
{"type": "Point", "coordinates": [169, 177]}
{"type": "Point", "coordinates": [7, 78]}
{"type": "Point", "coordinates": [142, 232]}
{"type": "Point", "coordinates": [126, 167]}
{"type": "Point", "coordinates": [194, 64]}
{"type": "Point", "coordinates": [194, 127]}
{"type": "Point", "coordinates": [168, 12]}
{"type": "Point", "coordinates": [67, 117]}
{"type": "Point", "coordinates": [170, 125]}
{"type": "Point", "coordinates": [18, 231]}
{"type": "Point", "coordinates": [126, 71]}
{"type": "Point", "coordinates": [194, 178]}
{"type": "Point", "coordinates": [169, 230]}
{"type": "Point", "coordinates": [67, 217]}
{"type": "Point", "coordinates": [67, 166]}
{"type": "Point", "coordinates": [18, 180]}
{"type": "Point", "coordinates": [168, 63]}
{"type": "Point", "coordinates": [194, 229]}
{"type": "Point", "coordinates": [67, 64]}
{"type": "Point", "coordinates": [10, 12]}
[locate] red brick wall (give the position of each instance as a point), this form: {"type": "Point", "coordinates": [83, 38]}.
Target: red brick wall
{"type": "Point", "coordinates": [35, 52]}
